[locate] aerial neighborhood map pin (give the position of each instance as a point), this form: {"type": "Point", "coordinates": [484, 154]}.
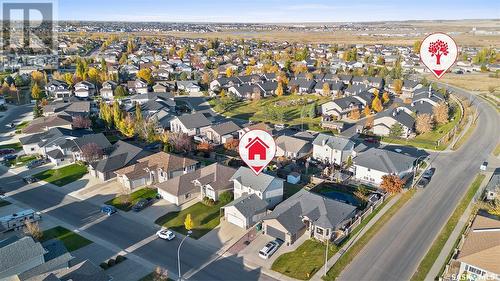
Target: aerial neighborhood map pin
{"type": "Point", "coordinates": [257, 149]}
{"type": "Point", "coordinates": [438, 52]}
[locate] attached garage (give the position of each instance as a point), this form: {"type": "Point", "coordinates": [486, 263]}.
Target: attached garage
{"type": "Point", "coordinates": [276, 233]}
{"type": "Point", "coordinates": [167, 196]}
{"type": "Point", "coordinates": [234, 219]}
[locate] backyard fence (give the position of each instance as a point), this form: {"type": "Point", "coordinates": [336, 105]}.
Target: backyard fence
{"type": "Point", "coordinates": [359, 218]}
{"type": "Point", "coordinates": [460, 124]}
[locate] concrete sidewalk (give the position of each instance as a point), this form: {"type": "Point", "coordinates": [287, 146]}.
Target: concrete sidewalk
{"type": "Point", "coordinates": [457, 231]}
{"type": "Point", "coordinates": [336, 257]}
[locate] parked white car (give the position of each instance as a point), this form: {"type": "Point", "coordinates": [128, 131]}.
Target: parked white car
{"type": "Point", "coordinates": [268, 250]}
{"type": "Point", "coordinates": [484, 166]}
{"type": "Point", "coordinates": [165, 234]}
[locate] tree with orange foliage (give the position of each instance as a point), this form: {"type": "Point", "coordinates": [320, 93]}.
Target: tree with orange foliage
{"type": "Point", "coordinates": [385, 97]}
{"type": "Point", "coordinates": [397, 84]}
{"type": "Point", "coordinates": [377, 104]}
{"type": "Point", "coordinates": [367, 111]}
{"type": "Point", "coordinates": [204, 147]}
{"type": "Point", "coordinates": [392, 184]}
{"type": "Point", "coordinates": [231, 144]}
{"type": "Point", "coordinates": [355, 114]}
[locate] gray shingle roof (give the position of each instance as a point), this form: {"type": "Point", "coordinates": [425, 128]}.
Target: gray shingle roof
{"type": "Point", "coordinates": [322, 211]}
{"type": "Point", "coordinates": [15, 251]}
{"type": "Point", "coordinates": [192, 121]}
{"type": "Point", "coordinates": [123, 154]}
{"type": "Point", "coordinates": [226, 128]}
{"type": "Point", "coordinates": [384, 160]}
{"type": "Point", "coordinates": [249, 205]}
{"type": "Point", "coordinates": [334, 142]}
{"type": "Point", "coordinates": [247, 177]}
{"type": "Point", "coordinates": [294, 145]}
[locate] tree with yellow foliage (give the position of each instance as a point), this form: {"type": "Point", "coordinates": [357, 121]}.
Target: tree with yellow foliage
{"type": "Point", "coordinates": [385, 98]}
{"type": "Point", "coordinates": [377, 104]}
{"type": "Point", "coordinates": [188, 222]}
{"type": "Point", "coordinates": [397, 84]}
{"type": "Point", "coordinates": [229, 72]}
{"type": "Point", "coordinates": [279, 90]}
{"type": "Point", "coordinates": [326, 89]}
{"type": "Point", "coordinates": [146, 75]}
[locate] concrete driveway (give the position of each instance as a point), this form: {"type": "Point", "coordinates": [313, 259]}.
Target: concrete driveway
{"type": "Point", "coordinates": [223, 236]}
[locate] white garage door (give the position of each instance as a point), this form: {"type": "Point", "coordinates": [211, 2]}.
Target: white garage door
{"type": "Point", "coordinates": [235, 220]}
{"type": "Point", "coordinates": [167, 196]}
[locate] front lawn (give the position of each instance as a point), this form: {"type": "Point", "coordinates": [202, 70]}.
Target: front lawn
{"type": "Point", "coordinates": [64, 175]}
{"type": "Point", "coordinates": [22, 160]}
{"type": "Point", "coordinates": [305, 261]}
{"type": "Point", "coordinates": [71, 240]}
{"type": "Point", "coordinates": [205, 218]}
{"type": "Point", "coordinates": [16, 145]}
{"type": "Point", "coordinates": [126, 201]}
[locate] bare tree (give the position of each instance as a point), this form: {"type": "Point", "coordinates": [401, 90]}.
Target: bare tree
{"type": "Point", "coordinates": [33, 229]}
{"type": "Point", "coordinates": [180, 142]}
{"type": "Point", "coordinates": [91, 152]}
{"type": "Point", "coordinates": [81, 122]}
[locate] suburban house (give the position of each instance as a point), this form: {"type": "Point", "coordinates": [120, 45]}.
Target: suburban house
{"type": "Point", "coordinates": [42, 124]}
{"type": "Point", "coordinates": [122, 154]}
{"type": "Point", "coordinates": [81, 271]}
{"type": "Point", "coordinates": [371, 165]}
{"type": "Point", "coordinates": [108, 89]}
{"type": "Point", "coordinates": [84, 89]}
{"type": "Point", "coordinates": [384, 122]}
{"type": "Point", "coordinates": [341, 108]}
{"type": "Point", "coordinates": [478, 256]}
{"type": "Point", "coordinates": [73, 108]}
{"type": "Point", "coordinates": [291, 147]}
{"type": "Point", "coordinates": [302, 86]}
{"type": "Point", "coordinates": [190, 86]}
{"type": "Point", "coordinates": [246, 91]}
{"type": "Point", "coordinates": [222, 132]}
{"type": "Point", "coordinates": [99, 139]}
{"type": "Point", "coordinates": [58, 89]}
{"type": "Point", "coordinates": [332, 149]}
{"type": "Point", "coordinates": [24, 258]}
{"type": "Point", "coordinates": [208, 181]}
{"type": "Point", "coordinates": [155, 168]}
{"type": "Point", "coordinates": [268, 87]}
{"type": "Point", "coordinates": [138, 86]}
{"type": "Point", "coordinates": [492, 189]}
{"type": "Point", "coordinates": [308, 213]}
{"type": "Point", "coordinates": [190, 124]}
{"type": "Point", "coordinates": [252, 196]}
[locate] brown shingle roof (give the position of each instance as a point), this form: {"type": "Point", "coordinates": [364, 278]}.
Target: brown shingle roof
{"type": "Point", "coordinates": [40, 124]}
{"type": "Point", "coordinates": [482, 245]}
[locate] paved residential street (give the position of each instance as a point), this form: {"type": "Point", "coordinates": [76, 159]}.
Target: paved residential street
{"type": "Point", "coordinates": [395, 252]}
{"type": "Point", "coordinates": [126, 234]}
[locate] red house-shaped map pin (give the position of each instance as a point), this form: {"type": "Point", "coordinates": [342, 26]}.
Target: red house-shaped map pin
{"type": "Point", "coordinates": [256, 147]}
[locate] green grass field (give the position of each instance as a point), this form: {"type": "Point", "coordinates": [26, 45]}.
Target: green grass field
{"type": "Point", "coordinates": [205, 219]}
{"type": "Point", "coordinates": [126, 202]}
{"type": "Point", "coordinates": [17, 146]}
{"type": "Point", "coordinates": [64, 175]}
{"type": "Point", "coordinates": [305, 261]}
{"type": "Point", "coordinates": [71, 240]}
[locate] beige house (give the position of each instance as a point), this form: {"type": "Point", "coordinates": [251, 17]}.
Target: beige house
{"type": "Point", "coordinates": [153, 169]}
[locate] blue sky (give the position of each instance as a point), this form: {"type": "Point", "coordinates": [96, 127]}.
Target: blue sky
{"type": "Point", "coordinates": [276, 10]}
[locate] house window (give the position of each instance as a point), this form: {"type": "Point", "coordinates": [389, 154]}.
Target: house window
{"type": "Point", "coordinates": [187, 195]}
{"type": "Point", "coordinates": [319, 230]}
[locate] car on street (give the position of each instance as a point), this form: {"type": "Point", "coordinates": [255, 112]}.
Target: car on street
{"type": "Point", "coordinates": [429, 173]}
{"type": "Point", "coordinates": [35, 163]}
{"type": "Point", "coordinates": [165, 234]}
{"type": "Point", "coordinates": [9, 157]}
{"type": "Point", "coordinates": [30, 179]}
{"type": "Point", "coordinates": [423, 182]}
{"type": "Point", "coordinates": [142, 204]}
{"type": "Point", "coordinates": [109, 210]}
{"type": "Point", "coordinates": [269, 249]}
{"type": "Point", "coordinates": [5, 151]}
{"type": "Point", "coordinates": [11, 125]}
{"type": "Point", "coordinates": [371, 140]}
{"type": "Point", "coordinates": [484, 166]}
{"type": "Point", "coordinates": [279, 126]}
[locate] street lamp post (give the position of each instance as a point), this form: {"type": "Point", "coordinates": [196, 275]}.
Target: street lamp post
{"type": "Point", "coordinates": [326, 254]}
{"type": "Point", "coordinates": [179, 254]}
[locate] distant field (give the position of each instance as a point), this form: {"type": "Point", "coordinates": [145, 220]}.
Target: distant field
{"type": "Point", "coordinates": [479, 82]}
{"type": "Point", "coordinates": [460, 28]}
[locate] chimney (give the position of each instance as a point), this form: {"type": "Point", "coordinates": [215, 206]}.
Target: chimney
{"type": "Point", "coordinates": [323, 142]}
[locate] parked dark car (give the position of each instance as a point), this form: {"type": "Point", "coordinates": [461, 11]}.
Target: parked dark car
{"type": "Point", "coordinates": [109, 210]}
{"type": "Point", "coordinates": [5, 151]}
{"type": "Point", "coordinates": [35, 163]}
{"type": "Point", "coordinates": [429, 173]}
{"type": "Point", "coordinates": [9, 157]}
{"type": "Point", "coordinates": [423, 182]}
{"type": "Point", "coordinates": [371, 140]}
{"type": "Point", "coordinates": [142, 204]}
{"type": "Point", "coordinates": [30, 179]}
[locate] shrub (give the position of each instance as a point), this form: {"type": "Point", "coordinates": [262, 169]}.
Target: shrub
{"type": "Point", "coordinates": [120, 258]}
{"type": "Point", "coordinates": [104, 265]}
{"type": "Point", "coordinates": [111, 262]}
{"type": "Point", "coordinates": [226, 197]}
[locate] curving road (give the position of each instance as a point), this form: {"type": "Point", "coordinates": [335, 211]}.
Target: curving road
{"type": "Point", "coordinates": [396, 251]}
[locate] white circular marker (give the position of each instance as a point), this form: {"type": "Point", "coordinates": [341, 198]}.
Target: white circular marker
{"type": "Point", "coordinates": [257, 148]}
{"type": "Point", "coordinates": [438, 52]}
